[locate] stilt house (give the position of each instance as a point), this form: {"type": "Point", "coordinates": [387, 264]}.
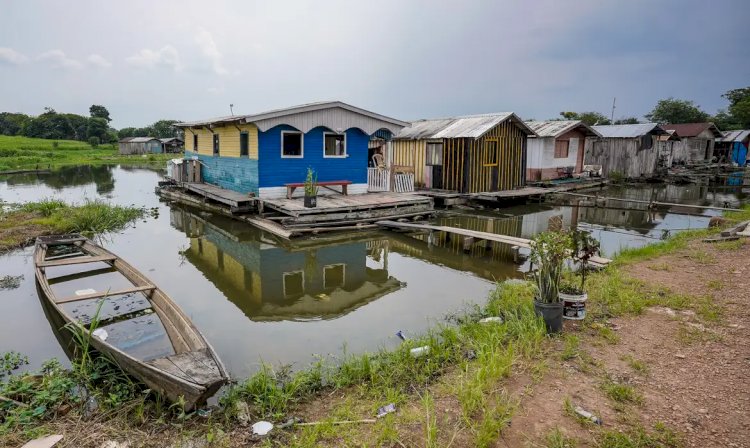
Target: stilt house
{"type": "Point", "coordinates": [557, 149]}
{"type": "Point", "coordinates": [468, 154]}
{"type": "Point", "coordinates": [698, 141]}
{"type": "Point", "coordinates": [732, 146]}
{"type": "Point", "coordinates": [261, 153]}
{"type": "Point", "coordinates": [626, 150]}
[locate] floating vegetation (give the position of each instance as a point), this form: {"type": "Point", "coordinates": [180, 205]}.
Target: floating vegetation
{"type": "Point", "coordinates": [10, 282]}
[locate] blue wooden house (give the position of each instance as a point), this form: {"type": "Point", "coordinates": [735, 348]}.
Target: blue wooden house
{"type": "Point", "coordinates": [261, 153]}
{"type": "Point", "coordinates": [733, 146]}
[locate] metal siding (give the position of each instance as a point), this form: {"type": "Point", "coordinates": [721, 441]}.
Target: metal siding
{"type": "Point", "coordinates": [275, 171]}
{"type": "Point", "coordinates": [233, 173]}
{"type": "Point", "coordinates": [334, 118]}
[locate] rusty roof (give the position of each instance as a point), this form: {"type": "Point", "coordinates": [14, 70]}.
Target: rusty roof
{"type": "Point", "coordinates": [556, 128]}
{"type": "Point", "coordinates": [692, 129]}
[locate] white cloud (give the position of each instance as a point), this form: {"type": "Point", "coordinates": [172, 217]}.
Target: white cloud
{"type": "Point", "coordinates": [11, 56]}
{"type": "Point", "coordinates": [167, 56]}
{"type": "Point", "coordinates": [208, 47]}
{"type": "Point", "coordinates": [98, 61]}
{"type": "Point", "coordinates": [215, 90]}
{"type": "Point", "coordinates": [59, 59]}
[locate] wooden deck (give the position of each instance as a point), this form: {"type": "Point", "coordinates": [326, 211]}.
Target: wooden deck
{"type": "Point", "coordinates": [473, 236]}
{"type": "Point", "coordinates": [339, 210]}
{"type": "Point", "coordinates": [237, 202]}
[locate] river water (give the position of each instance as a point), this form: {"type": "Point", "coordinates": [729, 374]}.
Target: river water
{"type": "Point", "coordinates": [258, 300]}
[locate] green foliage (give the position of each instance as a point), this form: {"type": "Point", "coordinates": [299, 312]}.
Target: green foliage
{"type": "Point", "coordinates": [46, 207]}
{"type": "Point", "coordinates": [548, 253]}
{"type": "Point", "coordinates": [584, 247]}
{"type": "Point", "coordinates": [97, 111]}
{"type": "Point", "coordinates": [11, 361]}
{"type": "Point", "coordinates": [13, 123]}
{"type": "Point", "coordinates": [94, 142]}
{"type": "Point", "coordinates": [97, 127]}
{"type": "Point", "coordinates": [557, 439]}
{"type": "Point", "coordinates": [159, 129]}
{"type": "Point", "coordinates": [626, 120]}
{"type": "Point", "coordinates": [661, 437]}
{"type": "Point", "coordinates": [616, 177]}
{"type": "Point", "coordinates": [671, 110]}
{"type": "Point", "coordinates": [621, 393]}
{"type": "Point", "coordinates": [590, 118]}
{"type": "Point", "coordinates": [311, 183]}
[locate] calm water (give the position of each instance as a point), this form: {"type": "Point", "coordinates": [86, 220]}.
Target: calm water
{"type": "Point", "coordinates": [259, 300]}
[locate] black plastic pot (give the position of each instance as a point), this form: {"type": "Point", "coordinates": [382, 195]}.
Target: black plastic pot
{"type": "Point", "coordinates": [311, 201]}
{"type": "Point", "coordinates": [552, 313]}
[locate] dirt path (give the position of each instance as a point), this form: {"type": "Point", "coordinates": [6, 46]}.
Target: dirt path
{"type": "Point", "coordinates": [693, 373]}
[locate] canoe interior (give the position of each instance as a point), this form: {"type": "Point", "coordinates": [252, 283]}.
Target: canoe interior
{"type": "Point", "coordinates": [144, 328]}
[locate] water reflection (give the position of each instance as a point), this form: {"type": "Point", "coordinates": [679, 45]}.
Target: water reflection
{"type": "Point", "coordinates": [67, 177]}
{"type": "Point", "coordinates": [268, 282]}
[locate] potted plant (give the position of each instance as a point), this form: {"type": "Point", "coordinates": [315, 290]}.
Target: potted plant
{"type": "Point", "coordinates": [548, 252]}
{"type": "Point", "coordinates": [311, 189]}
{"type": "Point", "coordinates": [583, 246]}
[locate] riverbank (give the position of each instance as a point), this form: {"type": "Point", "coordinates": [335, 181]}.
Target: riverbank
{"type": "Point", "coordinates": [24, 153]}
{"type": "Point", "coordinates": [503, 384]}
{"type": "Point", "coordinates": [20, 225]}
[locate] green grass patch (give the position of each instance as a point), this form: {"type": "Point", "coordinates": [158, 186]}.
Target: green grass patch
{"type": "Point", "coordinates": [636, 364]}
{"type": "Point", "coordinates": [24, 153]}
{"type": "Point", "coordinates": [557, 439]}
{"type": "Point", "coordinates": [571, 347]}
{"type": "Point", "coordinates": [660, 437]}
{"type": "Point", "coordinates": [621, 393]}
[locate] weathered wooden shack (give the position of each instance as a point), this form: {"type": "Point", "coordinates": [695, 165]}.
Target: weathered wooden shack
{"type": "Point", "coordinates": [668, 145]}
{"type": "Point", "coordinates": [140, 145]}
{"type": "Point", "coordinates": [172, 145]}
{"type": "Point", "coordinates": [698, 141]}
{"type": "Point", "coordinates": [627, 150]}
{"type": "Point", "coordinates": [261, 153]}
{"type": "Point", "coordinates": [467, 154]}
{"type": "Point", "coordinates": [556, 151]}
{"type": "Point", "coordinates": [733, 146]}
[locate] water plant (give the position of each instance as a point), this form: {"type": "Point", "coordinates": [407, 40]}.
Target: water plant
{"type": "Point", "coordinates": [311, 183]}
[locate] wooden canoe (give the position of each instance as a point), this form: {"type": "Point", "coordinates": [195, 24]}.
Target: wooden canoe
{"type": "Point", "coordinates": [139, 325]}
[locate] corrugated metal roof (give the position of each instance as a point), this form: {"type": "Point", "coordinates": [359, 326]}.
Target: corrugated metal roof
{"type": "Point", "coordinates": [169, 139]}
{"type": "Point", "coordinates": [734, 136]}
{"type": "Point", "coordinates": [556, 128]}
{"type": "Point", "coordinates": [467, 126]}
{"type": "Point", "coordinates": [126, 139]}
{"type": "Point", "coordinates": [142, 139]}
{"type": "Point", "coordinates": [692, 129]}
{"type": "Point", "coordinates": [272, 117]}
{"type": "Point", "coordinates": [628, 130]}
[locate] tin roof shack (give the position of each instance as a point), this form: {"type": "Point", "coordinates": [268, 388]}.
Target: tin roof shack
{"type": "Point", "coordinates": [625, 150]}
{"type": "Point", "coordinates": [732, 146]}
{"type": "Point", "coordinates": [557, 149]}
{"type": "Point", "coordinates": [668, 145]}
{"type": "Point", "coordinates": [140, 145]}
{"type": "Point", "coordinates": [468, 154]}
{"type": "Point", "coordinates": [697, 141]}
{"type": "Point", "coordinates": [172, 145]}
{"type": "Point", "coordinates": [261, 153]}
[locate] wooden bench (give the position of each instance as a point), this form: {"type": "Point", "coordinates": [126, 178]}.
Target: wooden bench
{"type": "Point", "coordinates": [326, 184]}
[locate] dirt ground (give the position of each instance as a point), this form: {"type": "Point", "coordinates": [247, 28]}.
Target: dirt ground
{"type": "Point", "coordinates": [695, 375]}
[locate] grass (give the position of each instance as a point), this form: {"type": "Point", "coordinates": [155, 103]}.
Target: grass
{"type": "Point", "coordinates": [661, 437]}
{"type": "Point", "coordinates": [19, 153]}
{"type": "Point", "coordinates": [20, 225]}
{"type": "Point", "coordinates": [621, 393]}
{"type": "Point", "coordinates": [557, 439]}
{"type": "Point", "coordinates": [636, 364]}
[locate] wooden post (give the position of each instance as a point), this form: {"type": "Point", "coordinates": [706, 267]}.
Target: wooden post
{"type": "Point", "coordinates": [516, 251]}
{"type": "Point", "coordinates": [468, 242]}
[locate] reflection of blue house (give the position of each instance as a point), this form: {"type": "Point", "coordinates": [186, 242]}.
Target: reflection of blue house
{"type": "Point", "coordinates": [262, 152]}
{"type": "Point", "coordinates": [274, 283]}
{"type": "Point", "coordinates": [733, 146]}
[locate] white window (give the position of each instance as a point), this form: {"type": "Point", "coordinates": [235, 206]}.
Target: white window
{"type": "Point", "coordinates": [334, 145]}
{"type": "Point", "coordinates": [334, 276]}
{"type": "Point", "coordinates": [292, 145]}
{"type": "Point", "coordinates": [434, 154]}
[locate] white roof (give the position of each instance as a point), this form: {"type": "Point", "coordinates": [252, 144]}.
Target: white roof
{"type": "Point", "coordinates": [556, 128]}
{"type": "Point", "coordinates": [628, 130]}
{"type": "Point", "coordinates": [468, 126]}
{"type": "Point", "coordinates": [141, 139]}
{"type": "Point", "coordinates": [734, 136]}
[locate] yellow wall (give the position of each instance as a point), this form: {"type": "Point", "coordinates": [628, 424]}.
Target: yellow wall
{"type": "Point", "coordinates": [229, 140]}
{"type": "Point", "coordinates": [411, 153]}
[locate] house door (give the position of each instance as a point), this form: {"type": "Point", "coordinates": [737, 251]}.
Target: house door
{"type": "Point", "coordinates": [577, 143]}
{"type": "Point", "coordinates": [490, 161]}
{"type": "Point", "coordinates": [434, 163]}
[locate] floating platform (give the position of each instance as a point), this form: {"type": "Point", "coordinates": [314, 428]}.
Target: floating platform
{"type": "Point", "coordinates": [534, 192]}
{"type": "Point", "coordinates": [340, 210]}
{"type": "Point", "coordinates": [237, 202]}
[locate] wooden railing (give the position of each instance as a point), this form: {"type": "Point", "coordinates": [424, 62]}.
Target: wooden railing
{"type": "Point", "coordinates": [378, 179]}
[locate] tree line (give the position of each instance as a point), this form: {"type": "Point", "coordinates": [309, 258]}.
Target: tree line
{"type": "Point", "coordinates": [65, 126]}
{"type": "Point", "coordinates": [672, 110]}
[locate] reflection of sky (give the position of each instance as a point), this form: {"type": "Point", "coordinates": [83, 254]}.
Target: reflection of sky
{"type": "Point", "coordinates": [432, 289]}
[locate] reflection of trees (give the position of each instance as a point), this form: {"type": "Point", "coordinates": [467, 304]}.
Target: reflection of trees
{"type": "Point", "coordinates": [70, 176]}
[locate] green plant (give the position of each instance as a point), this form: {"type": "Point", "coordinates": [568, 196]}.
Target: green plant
{"type": "Point", "coordinates": [94, 141]}
{"type": "Point", "coordinates": [557, 439]}
{"type": "Point", "coordinates": [11, 361]}
{"type": "Point", "coordinates": [311, 183]}
{"type": "Point", "coordinates": [548, 252]}
{"type": "Point", "coordinates": [583, 247]}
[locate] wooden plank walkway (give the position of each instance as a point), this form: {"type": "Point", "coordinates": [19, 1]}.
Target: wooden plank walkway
{"type": "Point", "coordinates": [526, 192]}
{"type": "Point", "coordinates": [506, 239]}
{"type": "Point", "coordinates": [349, 203]}
{"type": "Point", "coordinates": [218, 194]}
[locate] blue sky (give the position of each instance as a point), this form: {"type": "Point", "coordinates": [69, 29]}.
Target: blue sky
{"type": "Point", "coordinates": [147, 60]}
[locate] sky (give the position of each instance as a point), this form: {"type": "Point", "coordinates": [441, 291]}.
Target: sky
{"type": "Point", "coordinates": [408, 59]}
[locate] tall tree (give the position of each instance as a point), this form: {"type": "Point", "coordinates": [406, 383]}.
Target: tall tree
{"type": "Point", "coordinates": [13, 124]}
{"type": "Point", "coordinates": [590, 118]}
{"type": "Point", "coordinates": [626, 120]}
{"type": "Point", "coordinates": [672, 111]}
{"type": "Point", "coordinates": [97, 111]}
{"type": "Point", "coordinates": [97, 127]}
